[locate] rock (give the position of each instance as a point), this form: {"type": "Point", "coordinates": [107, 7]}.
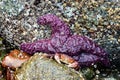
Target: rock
{"type": "Point", "coordinates": [22, 27]}
{"type": "Point", "coordinates": [11, 7]}
{"type": "Point", "coordinates": [43, 68]}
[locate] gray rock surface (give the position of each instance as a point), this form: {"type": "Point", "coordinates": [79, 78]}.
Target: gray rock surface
{"type": "Point", "coordinates": [98, 20]}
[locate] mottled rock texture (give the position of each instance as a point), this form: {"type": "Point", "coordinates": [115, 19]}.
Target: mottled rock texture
{"type": "Point", "coordinates": [97, 19]}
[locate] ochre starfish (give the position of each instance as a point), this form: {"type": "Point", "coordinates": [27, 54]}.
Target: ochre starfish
{"type": "Point", "coordinates": [81, 48]}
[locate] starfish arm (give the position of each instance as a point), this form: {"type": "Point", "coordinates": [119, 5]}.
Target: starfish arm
{"type": "Point", "coordinates": [56, 24]}
{"type": "Point", "coordinates": [76, 44]}
{"type": "Point", "coordinates": [38, 46]}
{"type": "Point", "coordinates": [91, 47]}
{"type": "Point", "coordinates": [86, 59]}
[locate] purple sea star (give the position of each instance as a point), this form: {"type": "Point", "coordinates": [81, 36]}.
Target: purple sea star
{"type": "Point", "coordinates": [81, 48]}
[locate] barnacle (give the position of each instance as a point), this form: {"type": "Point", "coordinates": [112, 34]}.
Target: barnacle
{"type": "Point", "coordinates": [63, 41]}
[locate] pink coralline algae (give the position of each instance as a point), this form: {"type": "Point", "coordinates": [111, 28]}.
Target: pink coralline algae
{"type": "Point", "coordinates": [81, 48]}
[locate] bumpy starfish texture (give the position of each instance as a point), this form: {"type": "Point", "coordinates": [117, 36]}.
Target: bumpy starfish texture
{"type": "Point", "coordinates": [81, 48]}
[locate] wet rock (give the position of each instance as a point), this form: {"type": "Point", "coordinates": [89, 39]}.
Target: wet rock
{"type": "Point", "coordinates": [98, 20]}
{"type": "Point", "coordinates": [41, 68]}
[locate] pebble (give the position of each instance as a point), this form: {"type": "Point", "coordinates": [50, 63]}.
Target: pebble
{"type": "Point", "coordinates": [119, 40]}
{"type": "Point", "coordinates": [97, 72]}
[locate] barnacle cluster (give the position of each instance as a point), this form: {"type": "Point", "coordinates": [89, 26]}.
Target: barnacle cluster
{"type": "Point", "coordinates": [11, 7]}
{"type": "Point", "coordinates": [98, 19]}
